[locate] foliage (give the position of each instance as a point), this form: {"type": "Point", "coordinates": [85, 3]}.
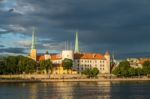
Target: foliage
{"type": "Point", "coordinates": [67, 63]}
{"type": "Point", "coordinates": [17, 65]}
{"type": "Point", "coordinates": [91, 72]}
{"type": "Point", "coordinates": [146, 67]}
{"type": "Point", "coordinates": [46, 65]}
{"type": "Point", "coordinates": [122, 69]}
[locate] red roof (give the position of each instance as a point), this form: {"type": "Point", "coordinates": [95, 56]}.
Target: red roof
{"type": "Point", "coordinates": [76, 56]}
{"type": "Point", "coordinates": [53, 57]}
{"type": "Point", "coordinates": [89, 56]}
{"type": "Point", "coordinates": [40, 58]}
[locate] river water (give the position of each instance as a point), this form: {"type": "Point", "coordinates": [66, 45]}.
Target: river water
{"type": "Point", "coordinates": [76, 90]}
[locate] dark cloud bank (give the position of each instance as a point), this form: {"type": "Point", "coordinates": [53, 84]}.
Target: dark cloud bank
{"type": "Point", "coordinates": [122, 26]}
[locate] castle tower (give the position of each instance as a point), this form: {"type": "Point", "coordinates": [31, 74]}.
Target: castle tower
{"type": "Point", "coordinates": [33, 52]}
{"type": "Point", "coordinates": [77, 50]}
{"type": "Point", "coordinates": [107, 56]}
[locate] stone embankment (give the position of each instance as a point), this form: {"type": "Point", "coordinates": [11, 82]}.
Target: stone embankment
{"type": "Point", "coordinates": [28, 78]}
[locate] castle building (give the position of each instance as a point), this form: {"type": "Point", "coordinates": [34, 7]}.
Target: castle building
{"type": "Point", "coordinates": [81, 61]}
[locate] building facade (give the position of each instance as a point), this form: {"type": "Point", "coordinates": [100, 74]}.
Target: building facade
{"type": "Point", "coordinates": [81, 61]}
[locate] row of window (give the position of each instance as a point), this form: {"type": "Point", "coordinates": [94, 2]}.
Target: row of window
{"type": "Point", "coordinates": [90, 61]}
{"type": "Point", "coordinates": [101, 65]}
{"type": "Point", "coordinates": [87, 68]}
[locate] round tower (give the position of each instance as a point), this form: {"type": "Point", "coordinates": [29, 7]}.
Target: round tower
{"type": "Point", "coordinates": [47, 56]}
{"type": "Point", "coordinates": [107, 56]}
{"type": "Point", "coordinates": [67, 54]}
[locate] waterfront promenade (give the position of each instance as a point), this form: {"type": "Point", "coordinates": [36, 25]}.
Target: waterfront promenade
{"type": "Point", "coordinates": [62, 78]}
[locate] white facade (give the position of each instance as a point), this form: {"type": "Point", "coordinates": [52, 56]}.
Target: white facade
{"type": "Point", "coordinates": [67, 54]}
{"type": "Point", "coordinates": [101, 62]}
{"type": "Point", "coordinates": [82, 64]}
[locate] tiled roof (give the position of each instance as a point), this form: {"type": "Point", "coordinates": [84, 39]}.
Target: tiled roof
{"type": "Point", "coordinates": [89, 56]}
{"type": "Point", "coordinates": [53, 57]}
{"type": "Point", "coordinates": [142, 60]}
{"type": "Point", "coordinates": [40, 58]}
{"type": "Point", "coordinates": [76, 56]}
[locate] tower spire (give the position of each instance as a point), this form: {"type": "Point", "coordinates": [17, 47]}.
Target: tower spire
{"type": "Point", "coordinates": [76, 44]}
{"type": "Point", "coordinates": [33, 52]}
{"type": "Point", "coordinates": [33, 39]}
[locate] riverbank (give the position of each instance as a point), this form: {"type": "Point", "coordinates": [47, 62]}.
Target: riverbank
{"type": "Point", "coordinates": [69, 80]}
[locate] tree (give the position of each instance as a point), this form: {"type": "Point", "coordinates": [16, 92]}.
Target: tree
{"type": "Point", "coordinates": [122, 69]}
{"type": "Point", "coordinates": [95, 72]}
{"type": "Point", "coordinates": [91, 72]}
{"type": "Point", "coordinates": [67, 63]}
{"type": "Point", "coordinates": [146, 67]}
{"type": "Point", "coordinates": [131, 72]}
{"type": "Point", "coordinates": [17, 65]}
{"type": "Point", "coordinates": [46, 65]}
{"type": "Point", "coordinates": [139, 71]}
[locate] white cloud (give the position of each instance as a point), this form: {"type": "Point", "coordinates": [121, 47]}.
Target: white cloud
{"type": "Point", "coordinates": [16, 28]}
{"type": "Point", "coordinates": [23, 43]}
{"type": "Point", "coordinates": [23, 8]}
{"type": "Point", "coordinates": [2, 30]}
{"type": "Point", "coordinates": [54, 46]}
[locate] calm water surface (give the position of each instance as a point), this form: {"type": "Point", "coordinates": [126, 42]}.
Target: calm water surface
{"type": "Point", "coordinates": [76, 90]}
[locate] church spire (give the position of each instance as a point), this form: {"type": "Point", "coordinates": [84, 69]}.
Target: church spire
{"type": "Point", "coordinates": [33, 39]}
{"type": "Point", "coordinates": [33, 52]}
{"type": "Point", "coordinates": [76, 44]}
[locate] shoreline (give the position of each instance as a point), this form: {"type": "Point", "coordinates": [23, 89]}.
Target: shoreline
{"type": "Point", "coordinates": [69, 80]}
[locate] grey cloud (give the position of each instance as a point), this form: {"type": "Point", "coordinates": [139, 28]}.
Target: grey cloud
{"type": "Point", "coordinates": [12, 50]}
{"type": "Point", "coordinates": [102, 25]}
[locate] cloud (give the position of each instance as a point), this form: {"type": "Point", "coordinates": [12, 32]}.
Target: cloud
{"type": "Point", "coordinates": [12, 50]}
{"type": "Point", "coordinates": [23, 43]}
{"type": "Point", "coordinates": [117, 25]}
{"type": "Point", "coordinates": [2, 46]}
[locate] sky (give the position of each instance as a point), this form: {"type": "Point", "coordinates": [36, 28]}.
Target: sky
{"type": "Point", "coordinates": [120, 26]}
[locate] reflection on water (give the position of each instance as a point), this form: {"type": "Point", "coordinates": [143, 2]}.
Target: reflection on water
{"type": "Point", "coordinates": [76, 90]}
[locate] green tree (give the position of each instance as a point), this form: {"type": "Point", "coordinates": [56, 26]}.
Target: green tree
{"type": "Point", "coordinates": [46, 65]}
{"type": "Point", "coordinates": [146, 67]}
{"type": "Point", "coordinates": [67, 63]}
{"type": "Point", "coordinates": [139, 71]}
{"type": "Point", "coordinates": [91, 72]}
{"type": "Point", "coordinates": [17, 65]}
{"type": "Point", "coordinates": [95, 72]}
{"type": "Point", "coordinates": [122, 69]}
{"type": "Point", "coordinates": [131, 72]}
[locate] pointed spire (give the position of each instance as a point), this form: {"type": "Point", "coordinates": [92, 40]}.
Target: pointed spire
{"type": "Point", "coordinates": [76, 44]}
{"type": "Point", "coordinates": [33, 39]}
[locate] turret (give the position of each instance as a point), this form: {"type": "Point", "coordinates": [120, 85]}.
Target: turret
{"type": "Point", "coordinates": [47, 56]}
{"type": "Point", "coordinates": [107, 56]}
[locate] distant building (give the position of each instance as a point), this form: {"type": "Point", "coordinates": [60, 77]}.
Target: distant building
{"type": "Point", "coordinates": [81, 61]}
{"type": "Point", "coordinates": [134, 62]}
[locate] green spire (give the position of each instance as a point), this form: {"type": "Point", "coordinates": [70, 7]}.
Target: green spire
{"type": "Point", "coordinates": [33, 39]}
{"type": "Point", "coordinates": [76, 44]}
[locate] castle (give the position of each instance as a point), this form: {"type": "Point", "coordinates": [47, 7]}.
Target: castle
{"type": "Point", "coordinates": [81, 61]}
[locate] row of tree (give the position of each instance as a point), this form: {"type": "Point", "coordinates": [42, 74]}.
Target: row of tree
{"type": "Point", "coordinates": [93, 72]}
{"type": "Point", "coordinates": [21, 64]}
{"type": "Point", "coordinates": [125, 70]}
